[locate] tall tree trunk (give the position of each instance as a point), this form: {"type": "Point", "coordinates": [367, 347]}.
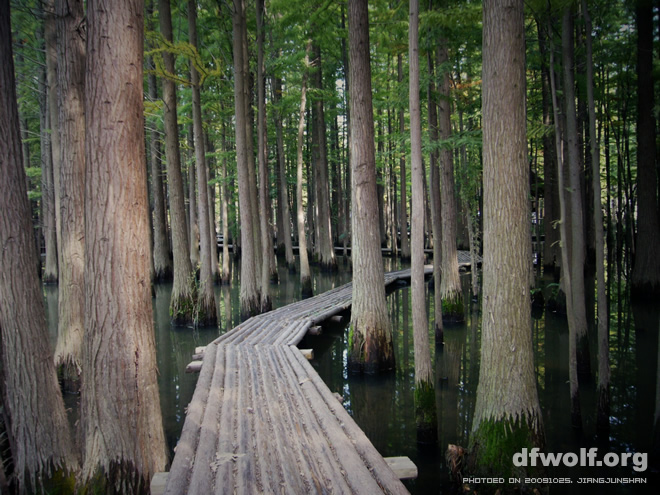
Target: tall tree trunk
{"type": "Point", "coordinates": [283, 184]}
{"type": "Point", "coordinates": [250, 302]}
{"type": "Point", "coordinates": [123, 446]}
{"type": "Point", "coordinates": [37, 425]}
{"type": "Point", "coordinates": [161, 252]}
{"type": "Point", "coordinates": [370, 336]}
{"type": "Point", "coordinates": [50, 272]}
{"type": "Point", "coordinates": [305, 273]}
{"type": "Point", "coordinates": [71, 67]}
{"type": "Point", "coordinates": [403, 214]}
{"type": "Point", "coordinates": [576, 415]}
{"type": "Point", "coordinates": [425, 410]}
{"type": "Point", "coordinates": [327, 258]}
{"type": "Point", "coordinates": [193, 222]}
{"type": "Point", "coordinates": [225, 275]}
{"type": "Point", "coordinates": [646, 270]}
{"type": "Point", "coordinates": [50, 33]}
{"type": "Point", "coordinates": [603, 409]}
{"type": "Point", "coordinates": [507, 414]}
{"type": "Point", "coordinates": [212, 193]}
{"type": "Point", "coordinates": [262, 153]}
{"type": "Point", "coordinates": [206, 313]}
{"type": "Point", "coordinates": [436, 204]}
{"type": "Point", "coordinates": [577, 247]}
{"type": "Point", "coordinates": [452, 298]}
{"type": "Point", "coordinates": [183, 293]}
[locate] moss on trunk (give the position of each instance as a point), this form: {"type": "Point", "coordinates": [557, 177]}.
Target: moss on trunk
{"type": "Point", "coordinates": [453, 310]}
{"type": "Point", "coordinates": [426, 413]}
{"type": "Point", "coordinates": [369, 351]}
{"type": "Point", "coordinates": [493, 445]}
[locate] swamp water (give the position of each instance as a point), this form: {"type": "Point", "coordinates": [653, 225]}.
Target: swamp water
{"type": "Point", "coordinates": [384, 407]}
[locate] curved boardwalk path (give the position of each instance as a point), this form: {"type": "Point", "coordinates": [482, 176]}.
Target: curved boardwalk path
{"type": "Point", "coordinates": [261, 420]}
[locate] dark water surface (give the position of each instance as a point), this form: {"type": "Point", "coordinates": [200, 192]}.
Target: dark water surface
{"type": "Point", "coordinates": [383, 406]}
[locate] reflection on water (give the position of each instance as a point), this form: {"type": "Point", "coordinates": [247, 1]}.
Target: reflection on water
{"type": "Point", "coordinates": [383, 405]}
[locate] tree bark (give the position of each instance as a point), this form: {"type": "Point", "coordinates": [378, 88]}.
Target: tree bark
{"type": "Point", "coordinates": [425, 410]}
{"type": "Point", "coordinates": [124, 443]}
{"type": "Point", "coordinates": [453, 310]}
{"type": "Point", "coordinates": [283, 184]}
{"type": "Point", "coordinates": [646, 270]}
{"type": "Point", "coordinates": [225, 275]}
{"type": "Point", "coordinates": [183, 295]}
{"type": "Point", "coordinates": [305, 273]}
{"type": "Point", "coordinates": [603, 408]}
{"type": "Point", "coordinates": [403, 214]}
{"type": "Point", "coordinates": [577, 241]}
{"type": "Point", "coordinates": [370, 336]}
{"type": "Point", "coordinates": [70, 69]}
{"type": "Point", "coordinates": [206, 313]}
{"type": "Point", "coordinates": [161, 251]}
{"type": "Point", "coordinates": [264, 182]}
{"type": "Point", "coordinates": [37, 426]}
{"type": "Point", "coordinates": [249, 296]}
{"type": "Point", "coordinates": [507, 414]}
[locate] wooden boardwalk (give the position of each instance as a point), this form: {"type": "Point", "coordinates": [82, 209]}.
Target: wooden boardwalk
{"type": "Point", "coordinates": [261, 420]}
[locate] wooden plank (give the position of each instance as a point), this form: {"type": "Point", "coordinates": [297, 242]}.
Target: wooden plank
{"type": "Point", "coordinates": [403, 467]}
{"type": "Point", "coordinates": [308, 353]}
{"type": "Point", "coordinates": [194, 367]}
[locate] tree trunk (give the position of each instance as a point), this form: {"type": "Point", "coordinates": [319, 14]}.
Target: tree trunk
{"type": "Point", "coordinates": [264, 182]}
{"type": "Point", "coordinates": [206, 313]}
{"type": "Point", "coordinates": [183, 294]}
{"type": "Point", "coordinates": [250, 302]}
{"type": "Point", "coordinates": [212, 193]}
{"type": "Point", "coordinates": [425, 410]}
{"type": "Point", "coordinates": [193, 223]}
{"type": "Point", "coordinates": [436, 205]}
{"type": "Point", "coordinates": [50, 273]}
{"type": "Point", "coordinates": [123, 446]}
{"type": "Point", "coordinates": [37, 426]}
{"type": "Point", "coordinates": [453, 310]}
{"type": "Point", "coordinates": [225, 275]}
{"type": "Point", "coordinates": [305, 273]}
{"type": "Point", "coordinates": [71, 67]}
{"type": "Point", "coordinates": [370, 347]}
{"type": "Point", "coordinates": [507, 414]}
{"type": "Point", "coordinates": [283, 185]}
{"type": "Point", "coordinates": [577, 243]}
{"type": "Point", "coordinates": [646, 271]}
{"type": "Point", "coordinates": [161, 252]}
{"type": "Point", "coordinates": [327, 258]}
{"type": "Point", "coordinates": [403, 214]}
{"type": "Point", "coordinates": [50, 33]}
{"type": "Point", "coordinates": [603, 410]}
{"type": "Point", "coordinates": [576, 415]}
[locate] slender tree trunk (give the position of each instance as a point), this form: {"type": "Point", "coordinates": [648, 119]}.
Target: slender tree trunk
{"type": "Point", "coordinates": [264, 183]}
{"type": "Point", "coordinates": [161, 252]}
{"type": "Point", "coordinates": [250, 301]}
{"type": "Point", "coordinates": [305, 273]}
{"type": "Point", "coordinates": [370, 347]}
{"type": "Point", "coordinates": [425, 410]}
{"type": "Point", "coordinates": [193, 223]}
{"type": "Point", "coordinates": [436, 206]}
{"type": "Point", "coordinates": [212, 193]}
{"type": "Point", "coordinates": [183, 293]}
{"type": "Point", "coordinates": [206, 313]}
{"type": "Point", "coordinates": [452, 298]}
{"type": "Point", "coordinates": [603, 411]}
{"type": "Point", "coordinates": [50, 272]}
{"type": "Point", "coordinates": [37, 426]}
{"type": "Point", "coordinates": [50, 33]}
{"type": "Point", "coordinates": [283, 185]}
{"type": "Point", "coordinates": [576, 415]}
{"type": "Point", "coordinates": [646, 270]}
{"type": "Point", "coordinates": [225, 275]}
{"type": "Point", "coordinates": [403, 214]}
{"type": "Point", "coordinates": [507, 414]}
{"type": "Point", "coordinates": [71, 67]}
{"type": "Point", "coordinates": [577, 249]}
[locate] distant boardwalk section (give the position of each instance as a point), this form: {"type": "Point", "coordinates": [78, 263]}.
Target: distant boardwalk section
{"type": "Point", "coordinates": [262, 421]}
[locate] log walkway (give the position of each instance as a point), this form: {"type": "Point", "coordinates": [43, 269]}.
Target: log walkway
{"type": "Point", "coordinates": [261, 420]}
